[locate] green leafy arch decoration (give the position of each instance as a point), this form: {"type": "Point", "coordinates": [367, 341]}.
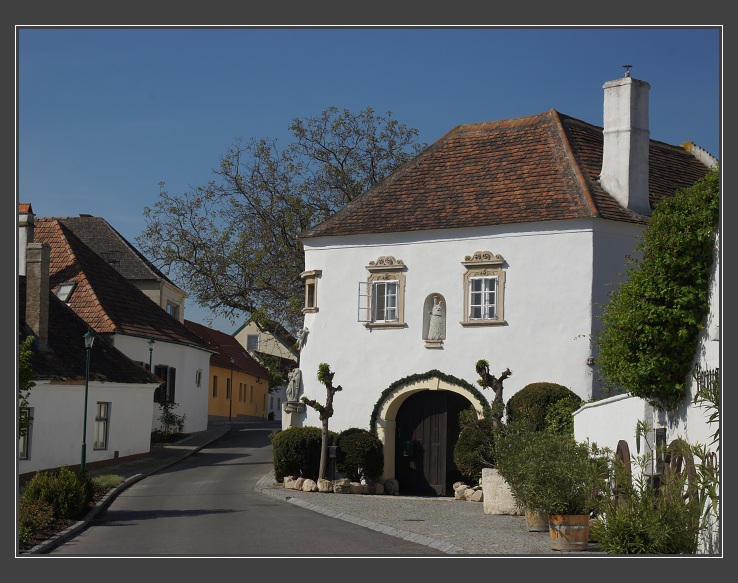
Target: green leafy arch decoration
{"type": "Point", "coordinates": [423, 377]}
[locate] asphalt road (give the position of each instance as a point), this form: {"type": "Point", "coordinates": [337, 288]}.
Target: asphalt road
{"type": "Point", "coordinates": [207, 506]}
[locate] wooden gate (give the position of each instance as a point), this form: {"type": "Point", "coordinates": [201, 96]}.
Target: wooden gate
{"type": "Point", "coordinates": [427, 431]}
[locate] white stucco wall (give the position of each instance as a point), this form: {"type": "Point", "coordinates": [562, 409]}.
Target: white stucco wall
{"type": "Point", "coordinates": [604, 419]}
{"type": "Point", "coordinates": [192, 400]}
{"type": "Point", "coordinates": [58, 417]}
{"type": "Point", "coordinates": [547, 307]}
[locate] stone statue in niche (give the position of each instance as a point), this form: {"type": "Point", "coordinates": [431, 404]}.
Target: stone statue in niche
{"type": "Point", "coordinates": [293, 384]}
{"type": "Point", "coordinates": [436, 323]}
{"type": "Point", "coordinates": [435, 326]}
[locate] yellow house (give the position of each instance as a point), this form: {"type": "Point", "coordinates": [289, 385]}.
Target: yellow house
{"type": "Point", "coordinates": [238, 386]}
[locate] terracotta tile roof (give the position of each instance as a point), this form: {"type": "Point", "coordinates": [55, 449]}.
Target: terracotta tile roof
{"type": "Point", "coordinates": [103, 297]}
{"type": "Point", "coordinates": [103, 239]}
{"type": "Point", "coordinates": [227, 346]}
{"type": "Point", "coordinates": [539, 168]}
{"type": "Point", "coordinates": [63, 357]}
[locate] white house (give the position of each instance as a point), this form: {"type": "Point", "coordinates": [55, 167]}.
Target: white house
{"type": "Point", "coordinates": [116, 309]}
{"type": "Point", "coordinates": [116, 424]}
{"type": "Point", "coordinates": [516, 229]}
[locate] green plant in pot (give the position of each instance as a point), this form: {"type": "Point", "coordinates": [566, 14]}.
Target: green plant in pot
{"type": "Point", "coordinates": [556, 475]}
{"type": "Point", "coordinates": [516, 460]}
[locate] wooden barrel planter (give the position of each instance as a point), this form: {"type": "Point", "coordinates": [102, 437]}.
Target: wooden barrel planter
{"type": "Point", "coordinates": [569, 532]}
{"type": "Point", "coordinates": [536, 521]}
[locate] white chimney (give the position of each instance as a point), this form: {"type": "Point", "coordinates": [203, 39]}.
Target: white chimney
{"type": "Point", "coordinates": [626, 139]}
{"type": "Point", "coordinates": [37, 289]}
{"type": "Point", "coordinates": [25, 234]}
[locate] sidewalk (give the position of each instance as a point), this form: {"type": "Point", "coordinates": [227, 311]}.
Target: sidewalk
{"type": "Point", "coordinates": [456, 527]}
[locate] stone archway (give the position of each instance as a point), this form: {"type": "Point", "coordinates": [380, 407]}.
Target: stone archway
{"type": "Point", "coordinates": [436, 396]}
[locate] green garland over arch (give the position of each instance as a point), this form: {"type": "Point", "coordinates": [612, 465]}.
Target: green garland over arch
{"type": "Point", "coordinates": [423, 377]}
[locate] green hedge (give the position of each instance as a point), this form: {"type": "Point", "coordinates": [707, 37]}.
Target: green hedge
{"type": "Point", "coordinates": [296, 451]}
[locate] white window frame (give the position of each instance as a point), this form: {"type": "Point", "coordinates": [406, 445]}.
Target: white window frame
{"type": "Point", "coordinates": [484, 266]}
{"type": "Point", "coordinates": [385, 271]}
{"type": "Point", "coordinates": [102, 424]}
{"type": "Point", "coordinates": [311, 290]}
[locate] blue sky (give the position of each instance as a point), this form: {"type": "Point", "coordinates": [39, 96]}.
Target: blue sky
{"type": "Point", "coordinates": [104, 115]}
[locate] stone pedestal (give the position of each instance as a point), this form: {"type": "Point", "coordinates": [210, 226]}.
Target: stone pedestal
{"type": "Point", "coordinates": [292, 412]}
{"type": "Point", "coordinates": [497, 496]}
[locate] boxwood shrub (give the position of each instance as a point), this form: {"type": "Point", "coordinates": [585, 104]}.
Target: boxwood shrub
{"type": "Point", "coordinates": [296, 451]}
{"type": "Point", "coordinates": [474, 449]}
{"type": "Point", "coordinates": [360, 454]}
{"type": "Point", "coordinates": [531, 404]}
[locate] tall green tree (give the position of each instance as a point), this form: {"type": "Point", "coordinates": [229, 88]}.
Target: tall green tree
{"type": "Point", "coordinates": [233, 244]}
{"type": "Point", "coordinates": [652, 322]}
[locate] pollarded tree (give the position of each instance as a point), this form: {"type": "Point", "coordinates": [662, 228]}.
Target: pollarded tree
{"type": "Point", "coordinates": [652, 322]}
{"type": "Point", "coordinates": [325, 376]}
{"type": "Point", "coordinates": [233, 244]}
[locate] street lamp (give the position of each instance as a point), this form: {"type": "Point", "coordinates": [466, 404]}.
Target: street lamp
{"type": "Point", "coordinates": [230, 395]}
{"type": "Point", "coordinates": [89, 337]}
{"type": "Point", "coordinates": [151, 351]}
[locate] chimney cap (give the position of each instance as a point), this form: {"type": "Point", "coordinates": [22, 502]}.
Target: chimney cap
{"type": "Point", "coordinates": [627, 70]}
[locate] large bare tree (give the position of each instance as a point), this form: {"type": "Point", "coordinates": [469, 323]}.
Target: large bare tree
{"type": "Point", "coordinates": [233, 244]}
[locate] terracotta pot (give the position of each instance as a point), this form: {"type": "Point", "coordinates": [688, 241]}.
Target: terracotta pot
{"type": "Point", "coordinates": [536, 521]}
{"type": "Point", "coordinates": [569, 532]}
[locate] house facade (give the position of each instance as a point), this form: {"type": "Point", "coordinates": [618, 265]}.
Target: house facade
{"type": "Point", "coordinates": [127, 318]}
{"type": "Point", "coordinates": [116, 424]}
{"type": "Point", "coordinates": [238, 385]}
{"type": "Point", "coordinates": [272, 342]}
{"type": "Point", "coordinates": [500, 242]}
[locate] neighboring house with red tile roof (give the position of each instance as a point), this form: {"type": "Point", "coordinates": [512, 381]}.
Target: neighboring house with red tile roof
{"type": "Point", "coordinates": [103, 239]}
{"type": "Point", "coordinates": [238, 385]}
{"type": "Point", "coordinates": [121, 313]}
{"type": "Point", "coordinates": [120, 391]}
{"type": "Point", "coordinates": [273, 341]}
{"type": "Point", "coordinates": [501, 242]}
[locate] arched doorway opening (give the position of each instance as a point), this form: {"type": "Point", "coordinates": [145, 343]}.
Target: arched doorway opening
{"type": "Point", "coordinates": [418, 424]}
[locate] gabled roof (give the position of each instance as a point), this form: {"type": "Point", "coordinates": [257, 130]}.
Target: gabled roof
{"type": "Point", "coordinates": [63, 357]}
{"type": "Point", "coordinates": [103, 298]}
{"type": "Point", "coordinates": [277, 330]}
{"type": "Point", "coordinates": [226, 346]}
{"type": "Point", "coordinates": [542, 167]}
{"type": "Point", "coordinates": [103, 239]}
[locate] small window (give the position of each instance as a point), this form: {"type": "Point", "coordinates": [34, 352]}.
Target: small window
{"type": "Point", "coordinates": [252, 342]}
{"type": "Point", "coordinates": [198, 377]}
{"type": "Point", "coordinates": [484, 287]}
{"type": "Point", "coordinates": [384, 299]}
{"type": "Point", "coordinates": [311, 290]}
{"type": "Point", "coordinates": [229, 392]}
{"type": "Point", "coordinates": [173, 310]}
{"type": "Point", "coordinates": [24, 441]}
{"type": "Point", "coordinates": [64, 291]}
{"type": "Point", "coordinates": [215, 387]}
{"type": "Point", "coordinates": [102, 419]}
